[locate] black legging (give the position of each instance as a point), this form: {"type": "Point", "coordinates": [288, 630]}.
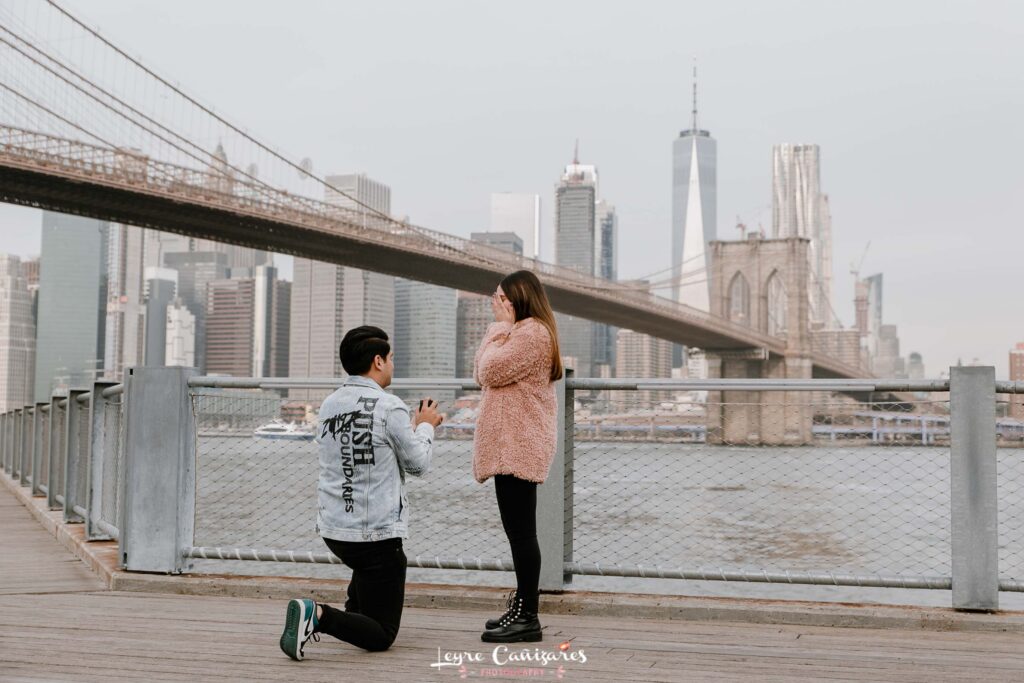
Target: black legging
{"type": "Point", "coordinates": [517, 503]}
{"type": "Point", "coordinates": [376, 593]}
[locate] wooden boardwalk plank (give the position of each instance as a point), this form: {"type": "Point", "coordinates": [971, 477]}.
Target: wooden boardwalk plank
{"type": "Point", "coordinates": [58, 623]}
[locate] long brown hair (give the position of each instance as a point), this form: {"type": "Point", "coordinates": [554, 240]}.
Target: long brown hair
{"type": "Point", "coordinates": [526, 293]}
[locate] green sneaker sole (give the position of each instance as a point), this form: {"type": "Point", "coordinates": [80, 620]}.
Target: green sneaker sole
{"type": "Point", "coordinates": [290, 644]}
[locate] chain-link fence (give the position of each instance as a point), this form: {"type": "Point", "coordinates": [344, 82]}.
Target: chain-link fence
{"type": "Point", "coordinates": [762, 481]}
{"type": "Point", "coordinates": [1010, 477]}
{"type": "Point", "coordinates": [257, 470]}
{"type": "Point", "coordinates": [106, 462]}
{"type": "Point", "coordinates": [749, 481]}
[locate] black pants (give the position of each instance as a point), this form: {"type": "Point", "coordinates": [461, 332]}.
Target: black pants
{"type": "Point", "coordinates": [376, 594]}
{"type": "Point", "coordinates": [517, 503]}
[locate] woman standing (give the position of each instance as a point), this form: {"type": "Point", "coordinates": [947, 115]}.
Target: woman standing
{"type": "Point", "coordinates": [516, 365]}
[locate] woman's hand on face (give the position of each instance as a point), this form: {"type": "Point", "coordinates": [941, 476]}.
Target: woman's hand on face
{"type": "Point", "coordinates": [503, 311]}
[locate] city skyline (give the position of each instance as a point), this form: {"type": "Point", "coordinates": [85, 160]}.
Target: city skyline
{"type": "Point", "coordinates": [875, 116]}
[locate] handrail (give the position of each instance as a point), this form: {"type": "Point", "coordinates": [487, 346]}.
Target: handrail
{"type": "Point", "coordinates": [115, 390]}
{"type": "Point", "coordinates": [597, 384]}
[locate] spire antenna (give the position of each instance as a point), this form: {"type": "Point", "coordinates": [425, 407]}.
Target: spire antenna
{"type": "Point", "coordinates": [576, 153]}
{"type": "Point", "coordinates": [695, 94]}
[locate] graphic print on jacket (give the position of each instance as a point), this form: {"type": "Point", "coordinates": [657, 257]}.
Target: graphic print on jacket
{"type": "Point", "coordinates": [354, 433]}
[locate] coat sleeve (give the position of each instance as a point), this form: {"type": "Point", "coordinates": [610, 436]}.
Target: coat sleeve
{"type": "Point", "coordinates": [523, 351]}
{"type": "Point", "coordinates": [412, 447]}
{"type": "Point", "coordinates": [496, 334]}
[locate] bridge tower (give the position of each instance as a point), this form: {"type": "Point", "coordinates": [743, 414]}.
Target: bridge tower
{"type": "Point", "coordinates": [762, 283]}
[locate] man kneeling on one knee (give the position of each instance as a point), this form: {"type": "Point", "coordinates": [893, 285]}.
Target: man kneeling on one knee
{"type": "Point", "coordinates": [368, 441]}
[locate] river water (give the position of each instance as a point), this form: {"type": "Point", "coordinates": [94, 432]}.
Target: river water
{"type": "Point", "coordinates": [847, 509]}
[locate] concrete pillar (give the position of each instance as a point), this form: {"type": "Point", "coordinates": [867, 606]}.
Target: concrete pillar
{"type": "Point", "coordinates": [158, 511]}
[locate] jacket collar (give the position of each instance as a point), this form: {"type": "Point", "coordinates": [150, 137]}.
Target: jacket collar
{"type": "Point", "coordinates": [361, 381]}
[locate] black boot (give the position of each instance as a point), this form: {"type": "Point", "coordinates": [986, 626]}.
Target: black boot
{"type": "Point", "coordinates": [516, 626]}
{"type": "Point", "coordinates": [495, 623]}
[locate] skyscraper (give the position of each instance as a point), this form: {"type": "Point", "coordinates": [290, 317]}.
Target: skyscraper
{"type": "Point", "coordinates": [161, 290]}
{"type": "Point", "coordinates": [125, 323]}
{"type": "Point", "coordinates": [358, 192]}
{"type": "Point", "coordinates": [507, 241]}
{"type": "Point", "coordinates": [576, 248]}
{"type": "Point", "coordinates": [606, 232]}
{"type": "Point", "coordinates": [282, 314]}
{"type": "Point", "coordinates": [425, 329]}
{"type": "Point", "coordinates": [518, 213]}
{"type": "Point", "coordinates": [642, 355]}
{"type": "Point", "coordinates": [327, 300]}
{"type": "Point", "coordinates": [694, 210]}
{"type": "Point", "coordinates": [72, 302]}
{"type": "Point", "coordinates": [17, 337]}
{"type": "Point", "coordinates": [181, 336]}
{"type": "Point", "coordinates": [799, 209]}
{"type": "Point", "coordinates": [230, 322]}
{"type": "Point", "coordinates": [474, 316]}
{"type": "Point", "coordinates": [196, 269]}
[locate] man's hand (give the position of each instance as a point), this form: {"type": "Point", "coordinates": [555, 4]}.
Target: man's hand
{"type": "Point", "coordinates": [427, 412]}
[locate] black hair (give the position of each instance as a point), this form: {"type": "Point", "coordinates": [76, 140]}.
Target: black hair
{"type": "Point", "coordinates": [360, 346]}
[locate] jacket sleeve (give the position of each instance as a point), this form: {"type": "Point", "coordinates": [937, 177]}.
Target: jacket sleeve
{"type": "Point", "coordinates": [523, 351]}
{"type": "Point", "coordinates": [496, 333]}
{"type": "Point", "coordinates": [413, 447]}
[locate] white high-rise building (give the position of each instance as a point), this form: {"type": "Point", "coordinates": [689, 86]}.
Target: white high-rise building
{"type": "Point", "coordinates": [181, 336]}
{"type": "Point", "coordinates": [799, 209]}
{"type": "Point", "coordinates": [518, 213]}
{"type": "Point", "coordinates": [125, 325]}
{"type": "Point", "coordinates": [694, 211]}
{"type": "Point", "coordinates": [17, 337]}
{"type": "Point", "coordinates": [327, 300]}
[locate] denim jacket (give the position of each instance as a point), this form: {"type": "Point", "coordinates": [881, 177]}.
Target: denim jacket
{"type": "Point", "coordinates": [367, 445]}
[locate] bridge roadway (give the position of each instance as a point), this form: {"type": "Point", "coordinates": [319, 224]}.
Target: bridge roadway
{"type": "Point", "coordinates": [73, 177]}
{"type": "Point", "coordinates": [58, 622]}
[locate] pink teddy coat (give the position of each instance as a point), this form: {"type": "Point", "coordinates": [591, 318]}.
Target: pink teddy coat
{"type": "Point", "coordinates": [515, 429]}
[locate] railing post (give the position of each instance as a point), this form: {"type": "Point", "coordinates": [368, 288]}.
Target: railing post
{"type": "Point", "coordinates": [97, 459]}
{"type": "Point", "coordinates": [16, 443]}
{"type": "Point", "coordinates": [37, 448]}
{"type": "Point", "coordinates": [25, 448]}
{"type": "Point", "coordinates": [568, 436]}
{"type": "Point", "coordinates": [73, 452]}
{"type": "Point", "coordinates": [551, 508]}
{"type": "Point", "coordinates": [52, 454]}
{"type": "Point", "coordinates": [4, 422]}
{"type": "Point", "coordinates": [974, 542]}
{"type": "Point", "coordinates": [159, 492]}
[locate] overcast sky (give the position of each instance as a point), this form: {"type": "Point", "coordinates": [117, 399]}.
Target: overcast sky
{"type": "Point", "coordinates": [917, 106]}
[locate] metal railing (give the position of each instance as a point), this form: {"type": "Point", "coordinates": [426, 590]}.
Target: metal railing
{"type": "Point", "coordinates": [820, 482]}
{"type": "Point", "coordinates": [67, 450]}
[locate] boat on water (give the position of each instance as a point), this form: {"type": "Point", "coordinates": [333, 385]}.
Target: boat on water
{"type": "Point", "coordinates": [284, 430]}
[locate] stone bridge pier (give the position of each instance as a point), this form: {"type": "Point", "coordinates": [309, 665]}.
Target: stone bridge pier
{"type": "Point", "coordinates": [759, 418]}
{"type": "Point", "coordinates": [762, 283]}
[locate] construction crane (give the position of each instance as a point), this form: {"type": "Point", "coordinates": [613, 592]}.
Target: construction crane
{"type": "Point", "coordinates": [855, 269]}
{"type": "Point", "coordinates": [860, 294]}
{"type": "Point", "coordinates": [742, 227]}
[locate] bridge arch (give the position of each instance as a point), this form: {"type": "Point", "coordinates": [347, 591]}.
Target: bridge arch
{"type": "Point", "coordinates": [738, 306]}
{"type": "Point", "coordinates": [776, 309]}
